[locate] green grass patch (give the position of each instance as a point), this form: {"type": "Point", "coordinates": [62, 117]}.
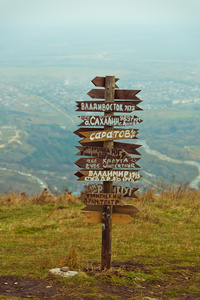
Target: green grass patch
{"type": "Point", "coordinates": [195, 148]}
{"type": "Point", "coordinates": [158, 251]}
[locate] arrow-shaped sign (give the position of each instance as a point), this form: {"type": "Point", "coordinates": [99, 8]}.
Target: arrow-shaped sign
{"type": "Point", "coordinates": [119, 94]}
{"type": "Point", "coordinates": [129, 148]}
{"type": "Point", "coordinates": [102, 106]}
{"type": "Point", "coordinates": [127, 120]}
{"type": "Point", "coordinates": [81, 129]}
{"type": "Point", "coordinates": [107, 163]}
{"type": "Point", "coordinates": [102, 199]}
{"type": "Point", "coordinates": [98, 188]}
{"type": "Point", "coordinates": [101, 152]}
{"type": "Point", "coordinates": [108, 135]}
{"type": "Point", "coordinates": [96, 217]}
{"type": "Point", "coordinates": [125, 209]}
{"type": "Point", "coordinates": [112, 175]}
{"type": "Point", "coordinates": [100, 81]}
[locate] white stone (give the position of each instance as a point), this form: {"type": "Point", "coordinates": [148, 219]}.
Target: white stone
{"type": "Point", "coordinates": [58, 271]}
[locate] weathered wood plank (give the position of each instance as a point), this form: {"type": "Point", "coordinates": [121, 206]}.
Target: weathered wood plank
{"type": "Point", "coordinates": [129, 148]}
{"type": "Point", "coordinates": [130, 210]}
{"type": "Point", "coordinates": [98, 188]}
{"type": "Point", "coordinates": [102, 199]}
{"type": "Point", "coordinates": [100, 81]}
{"type": "Point", "coordinates": [96, 217]}
{"type": "Point", "coordinates": [101, 106]}
{"type": "Point", "coordinates": [110, 120]}
{"type": "Point", "coordinates": [113, 175]}
{"type": "Point", "coordinates": [81, 129]}
{"type": "Point", "coordinates": [108, 135]}
{"type": "Point", "coordinates": [107, 163]}
{"type": "Point", "coordinates": [118, 94]}
{"type": "Point", "coordinates": [101, 152]}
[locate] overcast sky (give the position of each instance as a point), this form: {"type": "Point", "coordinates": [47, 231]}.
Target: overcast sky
{"type": "Point", "coordinates": [51, 13]}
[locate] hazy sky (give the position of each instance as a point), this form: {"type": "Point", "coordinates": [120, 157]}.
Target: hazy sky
{"type": "Point", "coordinates": [148, 28]}
{"type": "Point", "coordinates": [50, 13]}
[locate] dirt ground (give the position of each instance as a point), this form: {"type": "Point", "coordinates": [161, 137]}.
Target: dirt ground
{"type": "Point", "coordinates": [155, 289]}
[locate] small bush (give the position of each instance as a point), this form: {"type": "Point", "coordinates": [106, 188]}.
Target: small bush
{"type": "Point", "coordinates": [46, 197]}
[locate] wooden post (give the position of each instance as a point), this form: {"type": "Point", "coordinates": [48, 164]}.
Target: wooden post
{"type": "Point", "coordinates": [107, 186]}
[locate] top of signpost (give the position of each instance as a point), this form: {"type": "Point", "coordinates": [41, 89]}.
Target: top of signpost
{"type": "Point", "coordinates": [100, 81]}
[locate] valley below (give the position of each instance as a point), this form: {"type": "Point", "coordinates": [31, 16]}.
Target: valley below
{"type": "Point", "coordinates": [38, 117]}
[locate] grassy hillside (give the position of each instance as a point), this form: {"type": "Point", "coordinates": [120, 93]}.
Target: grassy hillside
{"type": "Point", "coordinates": [156, 256]}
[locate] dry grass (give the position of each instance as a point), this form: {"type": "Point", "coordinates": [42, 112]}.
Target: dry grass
{"type": "Point", "coordinates": [46, 231]}
{"type": "Point", "coordinates": [182, 193]}
{"type": "Point", "coordinates": [45, 197]}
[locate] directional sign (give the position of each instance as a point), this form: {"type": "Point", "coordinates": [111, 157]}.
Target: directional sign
{"type": "Point", "coordinates": [119, 94]}
{"type": "Point", "coordinates": [101, 152]}
{"type": "Point", "coordinates": [96, 217]}
{"type": "Point", "coordinates": [108, 135]}
{"type": "Point", "coordinates": [100, 81]}
{"type": "Point", "coordinates": [98, 188]}
{"type": "Point", "coordinates": [125, 209]}
{"type": "Point", "coordinates": [107, 163]}
{"type": "Point", "coordinates": [101, 199]}
{"type": "Point", "coordinates": [110, 120]}
{"type": "Point", "coordinates": [122, 132]}
{"type": "Point", "coordinates": [81, 129]}
{"type": "Point", "coordinates": [101, 106]}
{"type": "Point", "coordinates": [112, 175]}
{"type": "Point", "coordinates": [129, 148]}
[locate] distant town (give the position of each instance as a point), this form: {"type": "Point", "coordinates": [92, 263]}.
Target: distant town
{"type": "Point", "coordinates": [63, 93]}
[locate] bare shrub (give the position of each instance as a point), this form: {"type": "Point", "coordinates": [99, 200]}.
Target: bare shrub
{"type": "Point", "coordinates": [46, 197]}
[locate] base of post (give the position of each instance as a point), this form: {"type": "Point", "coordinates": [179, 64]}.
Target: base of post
{"type": "Point", "coordinates": [106, 237]}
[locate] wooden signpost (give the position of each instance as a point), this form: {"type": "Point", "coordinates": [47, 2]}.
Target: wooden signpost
{"type": "Point", "coordinates": [102, 199]}
{"type": "Point", "coordinates": [118, 94]}
{"type": "Point", "coordinates": [96, 217]}
{"type": "Point", "coordinates": [100, 81]}
{"type": "Point", "coordinates": [98, 188]}
{"type": "Point", "coordinates": [108, 135]}
{"type": "Point", "coordinates": [108, 175]}
{"type": "Point", "coordinates": [107, 160]}
{"type": "Point", "coordinates": [112, 163]}
{"type": "Point", "coordinates": [101, 106]}
{"type": "Point", "coordinates": [101, 152]}
{"type": "Point", "coordinates": [110, 121]}
{"type": "Point", "coordinates": [103, 135]}
{"type": "Point", "coordinates": [80, 131]}
{"type": "Point", "coordinates": [124, 209]}
{"type": "Point", "coordinates": [129, 148]}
